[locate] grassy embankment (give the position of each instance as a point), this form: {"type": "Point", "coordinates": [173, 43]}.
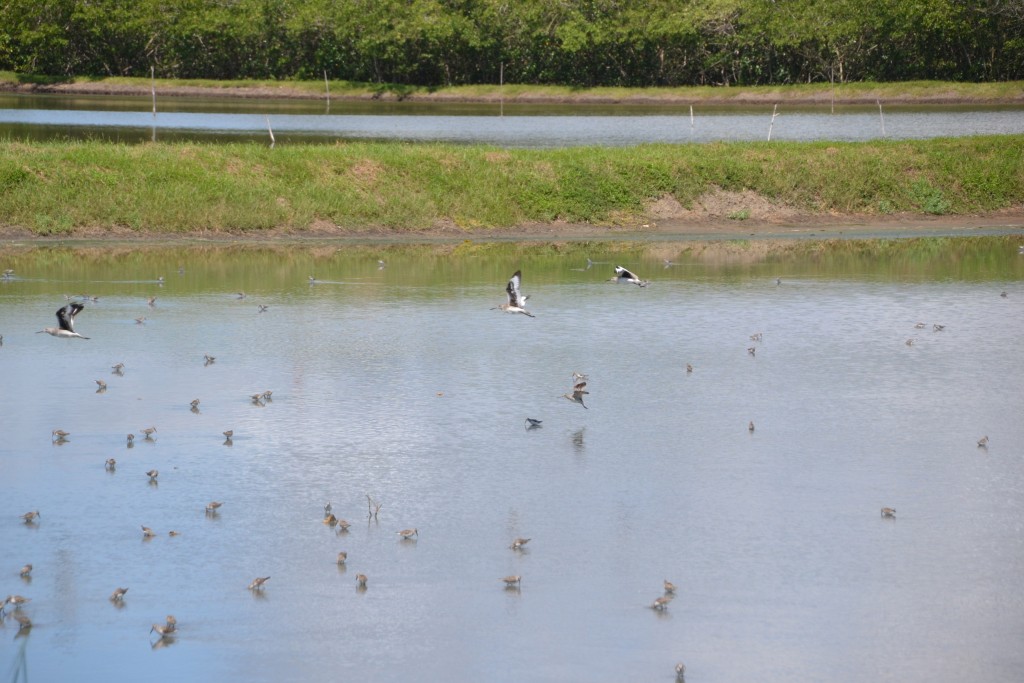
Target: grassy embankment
{"type": "Point", "coordinates": [866, 92]}
{"type": "Point", "coordinates": [64, 188]}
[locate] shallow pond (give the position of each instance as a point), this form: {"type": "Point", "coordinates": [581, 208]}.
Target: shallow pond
{"type": "Point", "coordinates": [515, 125]}
{"type": "Point", "coordinates": [399, 382]}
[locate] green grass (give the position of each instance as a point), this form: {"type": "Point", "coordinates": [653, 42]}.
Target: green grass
{"type": "Point", "coordinates": [58, 188]}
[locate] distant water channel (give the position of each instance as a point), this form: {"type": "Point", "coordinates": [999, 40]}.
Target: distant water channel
{"type": "Point", "coordinates": [400, 383]}
{"type": "Point", "coordinates": [516, 125]}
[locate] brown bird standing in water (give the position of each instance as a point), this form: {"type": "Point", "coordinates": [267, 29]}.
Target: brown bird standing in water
{"type": "Point", "coordinates": [257, 583]}
{"type": "Point", "coordinates": [118, 594]}
{"type": "Point", "coordinates": [25, 571]}
{"type": "Point", "coordinates": [519, 543]}
{"type": "Point", "coordinates": [889, 512]}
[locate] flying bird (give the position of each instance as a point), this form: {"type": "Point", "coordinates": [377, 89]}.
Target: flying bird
{"type": "Point", "coordinates": [577, 393]}
{"type": "Point", "coordinates": [623, 275]}
{"type": "Point", "coordinates": [65, 321]}
{"type": "Point", "coordinates": [516, 301]}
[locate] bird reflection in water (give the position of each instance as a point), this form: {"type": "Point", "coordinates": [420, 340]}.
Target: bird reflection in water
{"type": "Point", "coordinates": [577, 440]}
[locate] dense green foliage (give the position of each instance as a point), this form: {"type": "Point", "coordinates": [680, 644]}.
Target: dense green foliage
{"type": "Point", "coordinates": [581, 43]}
{"type": "Point", "coordinates": [54, 188]}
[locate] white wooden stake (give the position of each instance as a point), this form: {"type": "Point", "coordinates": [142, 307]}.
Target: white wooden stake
{"type": "Point", "coordinates": [271, 131]}
{"type": "Point", "coordinates": [775, 113]}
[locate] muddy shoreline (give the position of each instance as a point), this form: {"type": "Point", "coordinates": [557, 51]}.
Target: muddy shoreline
{"type": "Point", "coordinates": [738, 98]}
{"type": "Point", "coordinates": [706, 230]}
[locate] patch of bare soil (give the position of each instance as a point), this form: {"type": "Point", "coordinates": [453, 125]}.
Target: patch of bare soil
{"type": "Point", "coordinates": [723, 204]}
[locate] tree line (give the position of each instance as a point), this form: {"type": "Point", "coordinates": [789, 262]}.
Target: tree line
{"type": "Point", "coordinates": [586, 43]}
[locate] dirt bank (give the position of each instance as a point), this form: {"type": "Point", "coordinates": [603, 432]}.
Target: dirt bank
{"type": "Point", "coordinates": [731, 96]}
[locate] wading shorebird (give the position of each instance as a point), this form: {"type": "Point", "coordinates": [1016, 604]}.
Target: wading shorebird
{"type": "Point", "coordinates": [909, 342]}
{"type": "Point", "coordinates": [152, 301]}
{"type": "Point", "coordinates": [228, 434]}
{"type": "Point", "coordinates": [118, 594]}
{"type": "Point", "coordinates": [26, 571]}
{"type": "Point", "coordinates": [680, 672]}
{"type": "Point", "coordinates": [670, 588]}
{"type": "Point", "coordinates": [212, 506]}
{"type": "Point", "coordinates": [512, 581]}
{"type": "Point", "coordinates": [689, 369]}
{"type": "Point", "coordinates": [661, 604]}
{"type": "Point", "coordinates": [266, 395]}
{"type": "Point", "coordinates": [361, 580]}
{"type": "Point", "coordinates": [208, 359]}
{"type": "Point", "coordinates": [172, 533]}
{"type": "Point", "coordinates": [257, 399]}
{"type": "Point", "coordinates": [147, 532]}
{"type": "Point", "coordinates": [342, 556]}
{"type": "Point", "coordinates": [118, 369]}
{"type": "Point", "coordinates": [327, 508]}
{"type": "Point", "coordinates": [24, 623]}
{"type": "Point", "coordinates": [330, 519]}
{"type": "Point", "coordinates": [983, 442]}
{"type": "Point", "coordinates": [343, 526]}
{"type": "Point", "coordinates": [59, 435]}
{"type": "Point", "coordinates": [752, 350]}
{"type": "Point", "coordinates": [407, 534]}
{"type": "Point", "coordinates": [148, 433]}
{"type": "Point", "coordinates": [16, 600]}
{"type": "Point", "coordinates": [516, 301]}
{"type": "Point", "coordinates": [918, 326]}
{"type": "Point", "coordinates": [257, 583]}
{"type": "Point", "coordinates": [889, 512]}
{"type": "Point", "coordinates": [110, 465]}
{"type": "Point", "coordinates": [519, 543]}
{"type": "Point", "coordinates": [153, 474]}
{"type": "Point", "coordinates": [938, 328]}
{"type": "Point", "coordinates": [262, 309]}
{"type": "Point", "coordinates": [131, 440]}
{"type": "Point", "coordinates": [65, 322]}
{"type": "Point", "coordinates": [161, 631]}
{"type": "Point", "coordinates": [533, 423]}
{"type": "Point", "coordinates": [30, 517]}
{"type": "Point", "coordinates": [757, 336]}
{"type": "Point", "coordinates": [578, 391]}
{"type": "Point", "coordinates": [140, 320]}
{"type": "Point", "coordinates": [750, 427]}
{"type": "Point", "coordinates": [101, 386]}
{"type": "Point", "coordinates": [622, 275]}
{"type": "Point", "coordinates": [194, 404]}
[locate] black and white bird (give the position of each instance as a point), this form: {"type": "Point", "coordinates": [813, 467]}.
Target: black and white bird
{"type": "Point", "coordinates": [623, 275]}
{"type": "Point", "coordinates": [516, 301]}
{"type": "Point", "coordinates": [65, 321]}
{"type": "Point", "coordinates": [533, 423]}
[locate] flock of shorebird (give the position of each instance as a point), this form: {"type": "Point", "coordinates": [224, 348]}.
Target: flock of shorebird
{"type": "Point", "coordinates": [165, 633]}
{"type": "Point", "coordinates": [515, 303]}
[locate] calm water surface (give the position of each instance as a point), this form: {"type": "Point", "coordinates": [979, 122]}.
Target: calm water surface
{"type": "Point", "coordinates": [514, 125]}
{"type": "Point", "coordinates": [400, 383]}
